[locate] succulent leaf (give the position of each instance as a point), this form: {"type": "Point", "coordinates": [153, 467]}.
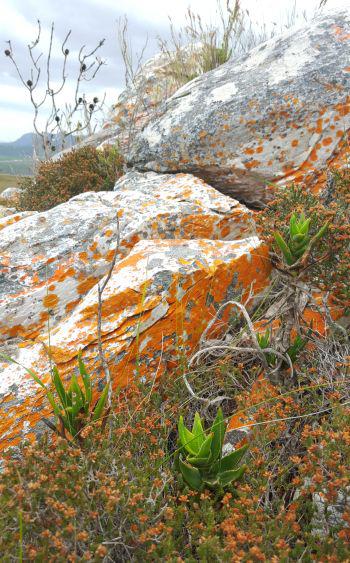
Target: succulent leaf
{"type": "Point", "coordinates": [186, 438]}
{"type": "Point", "coordinates": [198, 431]}
{"type": "Point", "coordinates": [205, 449]}
{"type": "Point", "coordinates": [228, 477]}
{"type": "Point", "coordinates": [191, 475]}
{"type": "Point", "coordinates": [100, 405]}
{"type": "Point", "coordinates": [231, 460]}
{"type": "Point", "coordinates": [285, 249]}
{"type": "Point", "coordinates": [218, 428]}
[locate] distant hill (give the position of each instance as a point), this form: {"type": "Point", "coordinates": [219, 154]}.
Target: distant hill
{"type": "Point", "coordinates": [24, 141]}
{"type": "Point", "coordinates": [16, 156]}
{"type": "Point", "coordinates": [21, 148]}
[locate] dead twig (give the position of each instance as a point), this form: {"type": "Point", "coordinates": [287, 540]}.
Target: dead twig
{"type": "Point", "coordinates": [100, 289]}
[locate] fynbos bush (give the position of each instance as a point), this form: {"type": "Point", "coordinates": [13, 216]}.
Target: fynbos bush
{"type": "Point", "coordinates": [80, 170]}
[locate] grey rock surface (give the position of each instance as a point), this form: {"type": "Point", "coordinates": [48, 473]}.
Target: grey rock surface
{"type": "Point", "coordinates": [277, 115]}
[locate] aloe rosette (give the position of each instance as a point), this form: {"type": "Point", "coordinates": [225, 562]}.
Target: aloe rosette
{"type": "Point", "coordinates": [299, 238]}
{"type": "Point", "coordinates": [201, 462]}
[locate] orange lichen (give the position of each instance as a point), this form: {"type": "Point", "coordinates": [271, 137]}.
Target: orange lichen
{"type": "Point", "coordinates": [319, 126]}
{"type": "Point", "coordinates": [50, 301]}
{"type": "Point", "coordinates": [86, 285]}
{"type": "Point", "coordinates": [174, 333]}
{"type": "Point", "coordinates": [252, 164]}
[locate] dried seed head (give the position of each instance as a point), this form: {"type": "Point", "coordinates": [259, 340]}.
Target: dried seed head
{"type": "Point", "coordinates": [7, 52]}
{"type": "Point", "coordinates": [29, 83]}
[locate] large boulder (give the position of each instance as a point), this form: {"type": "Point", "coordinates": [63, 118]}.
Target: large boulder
{"type": "Point", "coordinates": [156, 80]}
{"type": "Point", "coordinates": [50, 260]}
{"type": "Point", "coordinates": [154, 308]}
{"type": "Point", "coordinates": [9, 215]}
{"type": "Point", "coordinates": [10, 196]}
{"type": "Point", "coordinates": [279, 114]}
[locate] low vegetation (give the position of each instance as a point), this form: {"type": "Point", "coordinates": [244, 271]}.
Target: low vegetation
{"type": "Point", "coordinates": [327, 263]}
{"type": "Point", "coordinates": [80, 170]}
{"type": "Point", "coordinates": [120, 497]}
{"type": "Point", "coordinates": [145, 487]}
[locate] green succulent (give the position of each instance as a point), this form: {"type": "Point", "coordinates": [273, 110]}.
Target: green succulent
{"type": "Point", "coordinates": [299, 238]}
{"type": "Point", "coordinates": [200, 459]}
{"type": "Point", "coordinates": [264, 341]}
{"type": "Point", "coordinates": [73, 408]}
{"type": "Point", "coordinates": [297, 346]}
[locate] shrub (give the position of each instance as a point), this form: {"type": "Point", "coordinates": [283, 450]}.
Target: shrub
{"type": "Point", "coordinates": [80, 170]}
{"type": "Point", "coordinates": [119, 497]}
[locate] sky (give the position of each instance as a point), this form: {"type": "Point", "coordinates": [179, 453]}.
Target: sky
{"type": "Point", "coordinates": [91, 21]}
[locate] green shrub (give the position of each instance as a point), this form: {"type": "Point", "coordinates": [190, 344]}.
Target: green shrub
{"type": "Point", "coordinates": [80, 170]}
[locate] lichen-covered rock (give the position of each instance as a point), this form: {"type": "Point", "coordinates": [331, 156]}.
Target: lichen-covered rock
{"type": "Point", "coordinates": [153, 83]}
{"type": "Point", "coordinates": [11, 195]}
{"type": "Point", "coordinates": [6, 211]}
{"type": "Point", "coordinates": [50, 260]}
{"type": "Point", "coordinates": [154, 309]}
{"type": "Point", "coordinates": [9, 215]}
{"type": "Point", "coordinates": [278, 114]}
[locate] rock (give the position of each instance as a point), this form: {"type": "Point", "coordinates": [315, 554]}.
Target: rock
{"type": "Point", "coordinates": [6, 211]}
{"type": "Point", "coordinates": [8, 216]}
{"type": "Point", "coordinates": [10, 196]}
{"type": "Point", "coordinates": [139, 101]}
{"type": "Point", "coordinates": [50, 260]}
{"type": "Point", "coordinates": [156, 81]}
{"type": "Point", "coordinates": [278, 114]}
{"type": "Point", "coordinates": [154, 309]}
{"type": "Point", "coordinates": [329, 514]}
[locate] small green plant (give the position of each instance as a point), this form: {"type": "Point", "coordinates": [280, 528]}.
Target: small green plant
{"type": "Point", "coordinates": [264, 341]}
{"type": "Point", "coordinates": [200, 459]}
{"type": "Point", "coordinates": [73, 408]}
{"type": "Point", "coordinates": [299, 241]}
{"type": "Point", "coordinates": [296, 347]}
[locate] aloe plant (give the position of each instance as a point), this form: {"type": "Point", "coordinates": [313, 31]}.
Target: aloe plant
{"type": "Point", "coordinates": [299, 238]}
{"type": "Point", "coordinates": [200, 460]}
{"type": "Point", "coordinates": [296, 347]}
{"type": "Point", "coordinates": [73, 408]}
{"type": "Point", "coordinates": [264, 341]}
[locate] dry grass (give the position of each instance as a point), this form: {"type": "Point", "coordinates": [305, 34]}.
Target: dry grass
{"type": "Point", "coordinates": [7, 180]}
